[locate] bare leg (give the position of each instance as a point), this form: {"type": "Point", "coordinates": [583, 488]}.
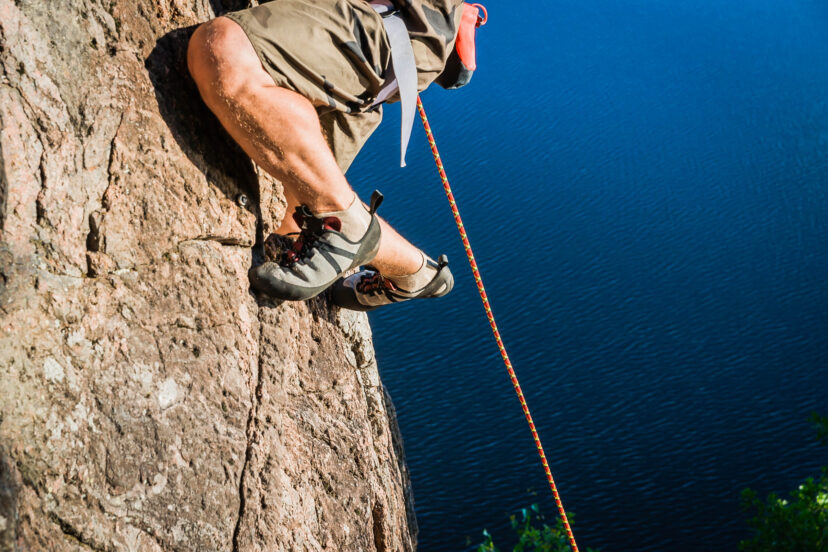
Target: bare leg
{"type": "Point", "coordinates": [279, 129]}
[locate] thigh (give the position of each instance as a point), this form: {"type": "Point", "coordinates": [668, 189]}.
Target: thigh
{"type": "Point", "coordinates": [220, 56]}
{"type": "Point", "coordinates": [333, 52]}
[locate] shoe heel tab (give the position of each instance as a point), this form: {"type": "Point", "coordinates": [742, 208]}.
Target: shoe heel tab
{"type": "Point", "coordinates": [442, 261]}
{"type": "Point", "coordinates": [376, 200]}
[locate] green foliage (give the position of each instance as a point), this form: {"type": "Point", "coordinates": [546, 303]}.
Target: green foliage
{"type": "Point", "coordinates": [533, 534]}
{"type": "Point", "coordinates": [796, 524]}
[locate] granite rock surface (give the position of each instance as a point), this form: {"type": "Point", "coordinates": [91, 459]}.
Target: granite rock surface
{"type": "Point", "coordinates": [148, 400]}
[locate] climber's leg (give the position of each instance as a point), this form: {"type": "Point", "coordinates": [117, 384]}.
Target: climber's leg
{"type": "Point", "coordinates": [279, 129]}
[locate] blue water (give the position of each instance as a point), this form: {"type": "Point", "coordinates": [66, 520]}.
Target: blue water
{"type": "Point", "coordinates": [645, 185]}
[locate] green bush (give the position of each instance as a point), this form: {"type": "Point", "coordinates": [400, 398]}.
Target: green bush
{"type": "Point", "coordinates": [798, 523]}
{"type": "Point", "coordinates": [795, 524]}
{"type": "Point", "coordinates": [533, 534]}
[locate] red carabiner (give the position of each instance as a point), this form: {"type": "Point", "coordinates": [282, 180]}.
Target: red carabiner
{"type": "Point", "coordinates": [481, 20]}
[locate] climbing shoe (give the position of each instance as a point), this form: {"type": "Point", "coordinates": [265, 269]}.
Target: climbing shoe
{"type": "Point", "coordinates": [328, 245]}
{"type": "Point", "coordinates": [368, 289]}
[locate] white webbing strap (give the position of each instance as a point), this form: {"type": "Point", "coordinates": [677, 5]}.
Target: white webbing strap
{"type": "Point", "coordinates": [402, 75]}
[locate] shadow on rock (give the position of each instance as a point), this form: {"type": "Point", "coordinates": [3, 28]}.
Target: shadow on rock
{"type": "Point", "coordinates": [195, 128]}
{"type": "Point", "coordinates": [8, 503]}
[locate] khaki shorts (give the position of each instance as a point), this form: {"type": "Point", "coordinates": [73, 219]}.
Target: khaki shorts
{"type": "Point", "coordinates": [333, 52]}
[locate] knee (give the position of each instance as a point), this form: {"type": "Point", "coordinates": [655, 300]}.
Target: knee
{"type": "Point", "coordinates": [221, 59]}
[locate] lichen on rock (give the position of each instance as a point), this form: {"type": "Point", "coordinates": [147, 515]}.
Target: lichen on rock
{"type": "Point", "coordinates": [149, 401]}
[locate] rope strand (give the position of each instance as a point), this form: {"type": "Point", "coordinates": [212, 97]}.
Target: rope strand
{"type": "Point", "coordinates": [493, 324]}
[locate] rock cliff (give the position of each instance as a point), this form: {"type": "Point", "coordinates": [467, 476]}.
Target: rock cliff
{"type": "Point", "coordinates": [149, 401]}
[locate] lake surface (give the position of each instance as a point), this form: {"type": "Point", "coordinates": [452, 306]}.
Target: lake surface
{"type": "Point", "coordinates": [645, 185]}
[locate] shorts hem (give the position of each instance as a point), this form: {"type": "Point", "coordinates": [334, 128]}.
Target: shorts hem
{"type": "Point", "coordinates": [279, 79]}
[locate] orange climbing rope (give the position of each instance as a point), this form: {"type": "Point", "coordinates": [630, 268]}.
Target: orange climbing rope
{"type": "Point", "coordinates": [493, 324]}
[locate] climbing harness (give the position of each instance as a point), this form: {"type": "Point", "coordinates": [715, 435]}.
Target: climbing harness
{"type": "Point", "coordinates": [493, 324]}
{"type": "Point", "coordinates": [401, 75]}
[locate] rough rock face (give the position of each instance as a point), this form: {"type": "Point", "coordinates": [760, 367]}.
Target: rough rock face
{"type": "Point", "coordinates": [149, 401]}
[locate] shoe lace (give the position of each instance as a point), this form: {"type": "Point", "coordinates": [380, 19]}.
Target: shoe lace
{"type": "Point", "coordinates": [312, 228]}
{"type": "Point", "coordinates": [374, 283]}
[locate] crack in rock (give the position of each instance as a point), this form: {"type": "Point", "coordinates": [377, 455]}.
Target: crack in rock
{"type": "Point", "coordinates": [251, 422]}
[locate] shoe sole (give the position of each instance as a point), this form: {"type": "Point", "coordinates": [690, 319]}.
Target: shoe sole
{"type": "Point", "coordinates": [345, 297]}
